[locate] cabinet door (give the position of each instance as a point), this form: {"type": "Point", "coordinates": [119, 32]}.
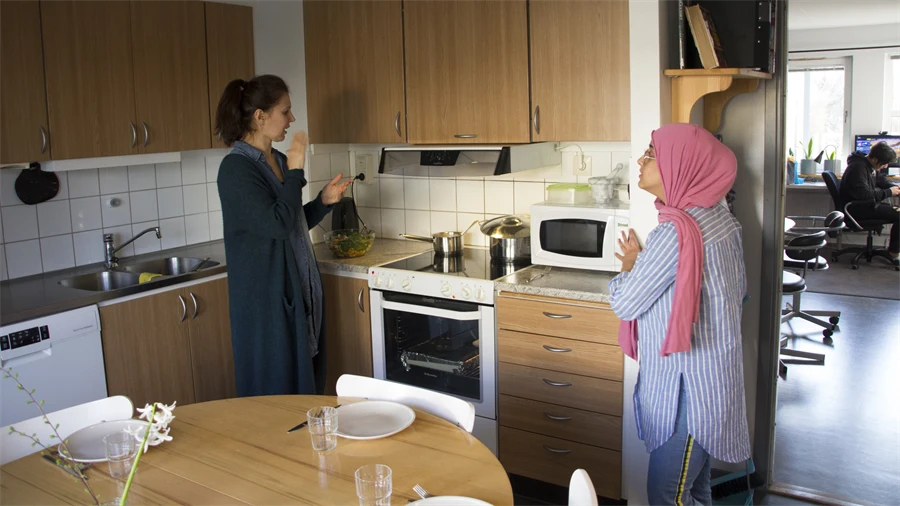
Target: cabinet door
{"type": "Point", "coordinates": [90, 78]}
{"type": "Point", "coordinates": [229, 52]}
{"type": "Point", "coordinates": [211, 353]}
{"type": "Point", "coordinates": [24, 135]}
{"type": "Point", "coordinates": [170, 80]}
{"type": "Point", "coordinates": [354, 71]}
{"type": "Point", "coordinates": [348, 330]}
{"type": "Point", "coordinates": [580, 70]}
{"type": "Point", "coordinates": [146, 349]}
{"type": "Point", "coordinates": [467, 71]}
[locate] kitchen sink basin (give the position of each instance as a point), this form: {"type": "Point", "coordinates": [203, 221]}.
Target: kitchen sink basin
{"type": "Point", "coordinates": [171, 266]}
{"type": "Point", "coordinates": [102, 281]}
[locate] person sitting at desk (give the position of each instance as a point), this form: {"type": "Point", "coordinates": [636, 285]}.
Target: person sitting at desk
{"type": "Point", "coordinates": [860, 183]}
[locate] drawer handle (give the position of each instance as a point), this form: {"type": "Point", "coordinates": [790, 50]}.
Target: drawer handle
{"type": "Point", "coordinates": [556, 383]}
{"type": "Point", "coordinates": [558, 418]}
{"type": "Point", "coordinates": [557, 316]}
{"type": "Point", "coordinates": [556, 450]}
{"type": "Point", "coordinates": [557, 350]}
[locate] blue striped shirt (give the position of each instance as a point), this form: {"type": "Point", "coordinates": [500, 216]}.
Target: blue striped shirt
{"type": "Point", "coordinates": [713, 370]}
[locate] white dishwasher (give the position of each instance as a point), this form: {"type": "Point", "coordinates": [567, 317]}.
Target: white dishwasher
{"type": "Point", "coordinates": [59, 356]}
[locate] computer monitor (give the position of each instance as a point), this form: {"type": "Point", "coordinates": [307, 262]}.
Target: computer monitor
{"type": "Point", "coordinates": [865, 142]}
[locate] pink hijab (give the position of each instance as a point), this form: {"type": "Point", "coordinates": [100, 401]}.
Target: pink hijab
{"type": "Point", "coordinates": [696, 171]}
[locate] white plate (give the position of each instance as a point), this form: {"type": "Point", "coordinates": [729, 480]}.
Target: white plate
{"type": "Point", "coordinates": [450, 500]}
{"type": "Point", "coordinates": [373, 419]}
{"type": "Point", "coordinates": [86, 445]}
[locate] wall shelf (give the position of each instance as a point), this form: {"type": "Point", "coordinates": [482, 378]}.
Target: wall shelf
{"type": "Point", "coordinates": [717, 85]}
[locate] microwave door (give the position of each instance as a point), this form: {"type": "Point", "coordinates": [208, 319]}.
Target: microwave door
{"type": "Point", "coordinates": [577, 242]}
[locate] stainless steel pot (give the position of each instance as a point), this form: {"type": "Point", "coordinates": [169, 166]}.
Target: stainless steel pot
{"type": "Point", "coordinates": [444, 243]}
{"type": "Point", "coordinates": [510, 237]}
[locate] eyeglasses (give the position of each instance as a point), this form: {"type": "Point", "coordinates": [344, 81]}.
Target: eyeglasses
{"type": "Point", "coordinates": [648, 155]}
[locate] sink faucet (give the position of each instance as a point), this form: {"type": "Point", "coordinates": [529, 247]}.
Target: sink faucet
{"type": "Point", "coordinates": [111, 260]}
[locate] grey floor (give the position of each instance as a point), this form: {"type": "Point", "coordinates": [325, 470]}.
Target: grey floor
{"type": "Point", "coordinates": [877, 279]}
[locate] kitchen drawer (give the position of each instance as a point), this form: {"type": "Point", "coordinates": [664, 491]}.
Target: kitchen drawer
{"type": "Point", "coordinates": [564, 355]}
{"type": "Point", "coordinates": [561, 422]}
{"type": "Point", "coordinates": [584, 322]}
{"type": "Point", "coordinates": [582, 392]}
{"type": "Point", "coordinates": [532, 455]}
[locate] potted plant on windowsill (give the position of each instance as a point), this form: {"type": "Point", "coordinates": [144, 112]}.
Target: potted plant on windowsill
{"type": "Point", "coordinates": [831, 164]}
{"type": "Point", "coordinates": [808, 163]}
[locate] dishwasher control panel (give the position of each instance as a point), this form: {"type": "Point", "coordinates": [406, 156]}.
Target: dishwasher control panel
{"type": "Point", "coordinates": [25, 337]}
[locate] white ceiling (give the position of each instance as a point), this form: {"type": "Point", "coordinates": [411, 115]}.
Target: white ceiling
{"type": "Point", "coordinates": [809, 14]}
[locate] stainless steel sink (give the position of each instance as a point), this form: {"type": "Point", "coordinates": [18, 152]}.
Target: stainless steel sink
{"type": "Point", "coordinates": [102, 281]}
{"type": "Point", "coordinates": [171, 266]}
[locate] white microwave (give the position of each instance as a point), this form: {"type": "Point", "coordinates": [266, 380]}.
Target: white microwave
{"type": "Point", "coordinates": [578, 236]}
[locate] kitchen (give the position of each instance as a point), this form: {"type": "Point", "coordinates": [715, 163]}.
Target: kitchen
{"type": "Point", "coordinates": [390, 204]}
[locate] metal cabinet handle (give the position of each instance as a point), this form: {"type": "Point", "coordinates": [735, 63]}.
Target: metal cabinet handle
{"type": "Point", "coordinates": [466, 136]}
{"type": "Point", "coordinates": [183, 308]}
{"type": "Point", "coordinates": [558, 418]}
{"type": "Point", "coordinates": [557, 316]}
{"type": "Point", "coordinates": [397, 124]}
{"type": "Point", "coordinates": [556, 383]}
{"type": "Point", "coordinates": [557, 350]}
{"type": "Point", "coordinates": [43, 140]}
{"type": "Point", "coordinates": [133, 134]}
{"type": "Point", "coordinates": [359, 301]}
{"type": "Point", "coordinates": [536, 119]}
{"type": "Point", "coordinates": [219, 137]}
{"type": "Point", "coordinates": [195, 305]}
{"type": "Point", "coordinates": [146, 134]}
{"type": "Point", "coordinates": [556, 450]}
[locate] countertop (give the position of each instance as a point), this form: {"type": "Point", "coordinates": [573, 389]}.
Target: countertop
{"type": "Point", "coordinates": [41, 295]}
{"type": "Point", "coordinates": [384, 251]}
{"type": "Point", "coordinates": [574, 284]}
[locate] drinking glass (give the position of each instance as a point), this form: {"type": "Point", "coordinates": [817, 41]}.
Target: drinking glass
{"type": "Point", "coordinates": [323, 425]}
{"type": "Point", "coordinates": [121, 449]}
{"type": "Point", "coordinates": [373, 485]}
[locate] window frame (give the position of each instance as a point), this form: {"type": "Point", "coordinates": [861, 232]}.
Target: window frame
{"type": "Point", "coordinates": [891, 88]}
{"type": "Point", "coordinates": [809, 64]}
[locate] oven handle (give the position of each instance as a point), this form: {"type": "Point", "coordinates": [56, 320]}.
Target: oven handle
{"type": "Point", "coordinates": [430, 311]}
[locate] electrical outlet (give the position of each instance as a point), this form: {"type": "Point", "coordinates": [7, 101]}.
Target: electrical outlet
{"type": "Point", "coordinates": [581, 165]}
{"type": "Point", "coordinates": [365, 164]}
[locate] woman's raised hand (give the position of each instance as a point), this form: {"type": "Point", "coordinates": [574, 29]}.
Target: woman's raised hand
{"type": "Point", "coordinates": [335, 189]}
{"type": "Point", "coordinates": [630, 248]}
{"type": "Point", "coordinates": [296, 154]}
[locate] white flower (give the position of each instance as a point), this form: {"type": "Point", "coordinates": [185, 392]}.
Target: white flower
{"type": "Point", "coordinates": [159, 426]}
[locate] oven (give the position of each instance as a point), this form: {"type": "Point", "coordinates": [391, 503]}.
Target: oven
{"type": "Point", "coordinates": [577, 236]}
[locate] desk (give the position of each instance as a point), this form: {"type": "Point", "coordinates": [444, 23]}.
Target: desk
{"type": "Point", "coordinates": [238, 451]}
{"type": "Point", "coordinates": [789, 224]}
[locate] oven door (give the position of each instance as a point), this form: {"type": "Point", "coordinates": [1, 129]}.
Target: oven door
{"type": "Point", "coordinates": [442, 345]}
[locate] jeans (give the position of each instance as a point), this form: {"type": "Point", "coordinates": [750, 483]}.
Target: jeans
{"type": "Point", "coordinates": [679, 469]}
{"type": "Point", "coordinates": [882, 211]}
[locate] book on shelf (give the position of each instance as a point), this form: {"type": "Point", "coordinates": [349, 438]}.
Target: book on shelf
{"type": "Point", "coordinates": [709, 46]}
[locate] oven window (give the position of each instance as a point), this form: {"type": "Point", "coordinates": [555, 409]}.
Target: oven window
{"type": "Point", "coordinates": [432, 352]}
{"type": "Point", "coordinates": [576, 238]}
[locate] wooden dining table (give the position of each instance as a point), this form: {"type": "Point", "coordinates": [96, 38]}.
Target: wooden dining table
{"type": "Point", "coordinates": [238, 451]}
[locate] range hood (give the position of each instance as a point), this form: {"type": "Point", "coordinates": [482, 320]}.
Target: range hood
{"type": "Point", "coordinates": [467, 160]}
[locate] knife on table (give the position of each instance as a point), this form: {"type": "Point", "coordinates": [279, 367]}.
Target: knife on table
{"type": "Point", "coordinates": [298, 427]}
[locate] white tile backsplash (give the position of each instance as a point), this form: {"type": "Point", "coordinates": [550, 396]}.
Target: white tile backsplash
{"type": "Point", "coordinates": [63, 193]}
{"type": "Point", "coordinates": [8, 195]}
{"type": "Point", "coordinates": [212, 167]}
{"type": "Point", "coordinates": [372, 217]}
{"type": "Point", "coordinates": [392, 193]}
{"type": "Point", "coordinates": [196, 227]}
{"type": "Point", "coordinates": [527, 194]}
{"type": "Point", "coordinates": [173, 233]}
{"type": "Point", "coordinates": [54, 218]}
{"type": "Point", "coordinates": [1, 225]}
{"type": "Point", "coordinates": [418, 222]}
{"type": "Point", "coordinates": [416, 194]}
{"type": "Point", "coordinates": [473, 237]}
{"type": "Point", "coordinates": [19, 224]}
{"type": "Point", "coordinates": [443, 221]}
{"type": "Point", "coordinates": [88, 247]}
{"type": "Point", "coordinates": [368, 195]}
{"type": "Point", "coordinates": [86, 214]}
{"type": "Point", "coordinates": [168, 174]}
{"type": "Point", "coordinates": [141, 177]}
{"type": "Point", "coordinates": [319, 167]}
{"type": "Point", "coordinates": [340, 164]}
{"type": "Point", "coordinates": [115, 215]}
{"type": "Point", "coordinates": [393, 223]}
{"type": "Point", "coordinates": [84, 183]}
{"type": "Point", "coordinates": [470, 196]}
{"type": "Point", "coordinates": [212, 197]}
{"type": "Point", "coordinates": [499, 197]}
{"type": "Point", "coordinates": [144, 206]}
{"type": "Point", "coordinates": [113, 180]}
{"type": "Point", "coordinates": [23, 259]}
{"type": "Point", "coordinates": [3, 273]}
{"type": "Point", "coordinates": [216, 226]}
{"type": "Point", "coordinates": [443, 194]}
{"type": "Point", "coordinates": [195, 199]}
{"type": "Point", "coordinates": [148, 243]}
{"type": "Point", "coordinates": [57, 252]}
{"type": "Point", "coordinates": [171, 202]}
{"type": "Point", "coordinates": [193, 170]}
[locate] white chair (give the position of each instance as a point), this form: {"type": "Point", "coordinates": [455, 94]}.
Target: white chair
{"type": "Point", "coordinates": [581, 490]}
{"type": "Point", "coordinates": [452, 409]}
{"type": "Point", "coordinates": [16, 446]}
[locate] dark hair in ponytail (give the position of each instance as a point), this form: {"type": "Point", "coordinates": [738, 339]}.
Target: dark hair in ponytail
{"type": "Point", "coordinates": [241, 99]}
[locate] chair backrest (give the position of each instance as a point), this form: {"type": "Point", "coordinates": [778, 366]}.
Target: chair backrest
{"type": "Point", "coordinates": [805, 247]}
{"type": "Point", "coordinates": [834, 189]}
{"type": "Point", "coordinates": [581, 489]}
{"type": "Point", "coordinates": [70, 420]}
{"type": "Point", "coordinates": [452, 409]}
{"type": "Point", "coordinates": [835, 221]}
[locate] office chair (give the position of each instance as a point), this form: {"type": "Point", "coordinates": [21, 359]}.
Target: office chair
{"type": "Point", "coordinates": [871, 227]}
{"type": "Point", "coordinates": [832, 225]}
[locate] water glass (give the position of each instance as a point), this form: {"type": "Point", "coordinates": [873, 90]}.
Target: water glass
{"type": "Point", "coordinates": [323, 425]}
{"type": "Point", "coordinates": [373, 485]}
{"type": "Point", "coordinates": [121, 449]}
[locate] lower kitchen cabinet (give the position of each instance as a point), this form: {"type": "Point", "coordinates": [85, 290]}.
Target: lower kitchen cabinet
{"type": "Point", "coordinates": [172, 346]}
{"type": "Point", "coordinates": [348, 329]}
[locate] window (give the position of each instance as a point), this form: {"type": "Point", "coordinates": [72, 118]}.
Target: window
{"type": "Point", "coordinates": [817, 95]}
{"type": "Point", "coordinates": [892, 94]}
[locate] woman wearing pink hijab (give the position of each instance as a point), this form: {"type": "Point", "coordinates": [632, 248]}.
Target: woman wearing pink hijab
{"type": "Point", "coordinates": [680, 301]}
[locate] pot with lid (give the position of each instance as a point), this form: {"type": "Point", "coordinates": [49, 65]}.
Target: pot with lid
{"type": "Point", "coordinates": [510, 237]}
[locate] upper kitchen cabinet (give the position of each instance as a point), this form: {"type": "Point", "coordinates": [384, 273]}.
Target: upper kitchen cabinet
{"type": "Point", "coordinates": [90, 78]}
{"type": "Point", "coordinates": [24, 132]}
{"type": "Point", "coordinates": [580, 70]}
{"type": "Point", "coordinates": [170, 79]}
{"type": "Point", "coordinates": [354, 71]}
{"type": "Point", "coordinates": [467, 71]}
{"type": "Point", "coordinates": [229, 51]}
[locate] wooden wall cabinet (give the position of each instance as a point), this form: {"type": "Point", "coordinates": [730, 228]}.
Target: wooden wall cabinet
{"type": "Point", "coordinates": [24, 130]}
{"type": "Point", "coordinates": [354, 71]}
{"type": "Point", "coordinates": [560, 383]}
{"type": "Point", "coordinates": [172, 346]}
{"type": "Point", "coordinates": [580, 71]}
{"type": "Point", "coordinates": [348, 330]}
{"type": "Point", "coordinates": [229, 51]}
{"type": "Point", "coordinates": [467, 71]}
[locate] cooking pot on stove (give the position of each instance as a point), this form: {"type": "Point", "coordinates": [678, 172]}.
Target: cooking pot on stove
{"type": "Point", "coordinates": [510, 237]}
